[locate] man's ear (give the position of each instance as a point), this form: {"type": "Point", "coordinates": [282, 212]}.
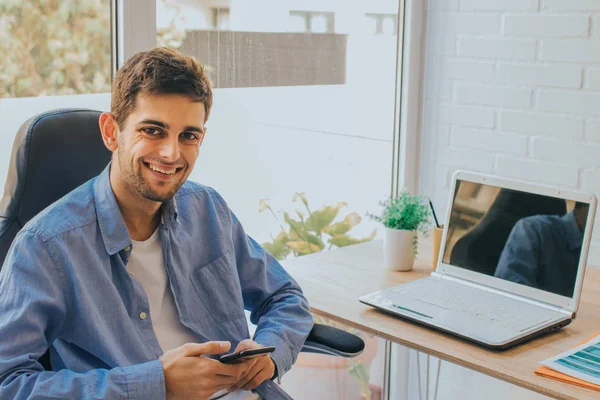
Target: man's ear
{"type": "Point", "coordinates": [110, 131]}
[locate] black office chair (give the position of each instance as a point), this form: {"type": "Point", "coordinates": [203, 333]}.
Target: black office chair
{"type": "Point", "coordinates": [55, 152]}
{"type": "Point", "coordinates": [481, 247]}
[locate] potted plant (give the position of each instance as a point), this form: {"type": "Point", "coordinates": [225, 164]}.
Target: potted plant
{"type": "Point", "coordinates": [403, 217]}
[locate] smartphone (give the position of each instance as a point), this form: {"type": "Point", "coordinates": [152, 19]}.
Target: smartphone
{"type": "Point", "coordinates": [245, 355]}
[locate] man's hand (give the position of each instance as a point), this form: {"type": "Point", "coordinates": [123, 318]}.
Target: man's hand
{"type": "Point", "coordinates": [188, 375]}
{"type": "Point", "coordinates": [259, 369]}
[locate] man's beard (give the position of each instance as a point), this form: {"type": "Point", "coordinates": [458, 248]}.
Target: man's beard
{"type": "Point", "coordinates": [136, 182]}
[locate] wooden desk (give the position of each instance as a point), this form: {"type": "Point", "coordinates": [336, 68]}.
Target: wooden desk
{"type": "Point", "coordinates": [332, 281]}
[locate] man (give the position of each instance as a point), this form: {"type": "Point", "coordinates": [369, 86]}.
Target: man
{"type": "Point", "coordinates": [543, 251]}
{"type": "Point", "coordinates": [137, 280]}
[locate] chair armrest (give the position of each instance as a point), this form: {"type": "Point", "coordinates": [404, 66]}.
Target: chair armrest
{"type": "Point", "coordinates": [325, 339]}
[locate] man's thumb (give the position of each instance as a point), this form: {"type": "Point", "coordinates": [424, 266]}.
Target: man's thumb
{"type": "Point", "coordinates": [197, 349]}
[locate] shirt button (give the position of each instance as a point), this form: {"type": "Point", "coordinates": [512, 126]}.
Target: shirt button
{"type": "Point", "coordinates": [127, 248]}
{"type": "Point", "coordinates": [143, 315]}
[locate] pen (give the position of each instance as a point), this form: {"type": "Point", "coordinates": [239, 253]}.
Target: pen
{"type": "Point", "coordinates": [433, 212]}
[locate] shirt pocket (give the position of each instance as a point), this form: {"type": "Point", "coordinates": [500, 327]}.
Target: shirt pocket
{"type": "Point", "coordinates": [218, 286]}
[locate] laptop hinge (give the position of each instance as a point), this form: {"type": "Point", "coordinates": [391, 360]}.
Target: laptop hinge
{"type": "Point", "coordinates": [517, 297]}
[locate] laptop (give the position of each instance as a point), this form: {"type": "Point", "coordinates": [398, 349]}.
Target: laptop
{"type": "Point", "coordinates": [511, 263]}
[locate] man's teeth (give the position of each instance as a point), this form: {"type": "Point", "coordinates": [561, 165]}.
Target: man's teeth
{"type": "Point", "coordinates": [164, 171]}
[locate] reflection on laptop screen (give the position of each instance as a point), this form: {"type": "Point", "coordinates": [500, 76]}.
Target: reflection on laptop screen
{"type": "Point", "coordinates": [527, 238]}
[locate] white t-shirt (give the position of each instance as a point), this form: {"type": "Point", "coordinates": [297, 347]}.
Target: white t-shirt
{"type": "Point", "coordinates": [147, 265]}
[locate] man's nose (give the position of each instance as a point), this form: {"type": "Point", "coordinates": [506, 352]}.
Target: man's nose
{"type": "Point", "coordinates": [169, 149]}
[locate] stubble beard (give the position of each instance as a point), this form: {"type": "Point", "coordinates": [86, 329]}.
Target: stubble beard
{"type": "Point", "coordinates": [137, 184]}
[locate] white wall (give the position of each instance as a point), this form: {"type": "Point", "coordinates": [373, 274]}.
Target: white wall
{"type": "Point", "coordinates": [512, 87]}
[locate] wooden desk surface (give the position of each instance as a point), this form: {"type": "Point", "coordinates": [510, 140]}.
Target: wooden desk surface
{"type": "Point", "coordinates": [332, 281]}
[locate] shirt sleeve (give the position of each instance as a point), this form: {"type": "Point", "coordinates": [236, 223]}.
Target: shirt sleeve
{"type": "Point", "coordinates": [519, 259]}
{"type": "Point", "coordinates": [277, 304]}
{"type": "Point", "coordinates": [33, 305]}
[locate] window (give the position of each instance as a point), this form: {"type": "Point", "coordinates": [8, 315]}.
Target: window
{"type": "Point", "coordinates": [53, 48]}
{"type": "Point", "coordinates": [300, 138]}
{"type": "Point", "coordinates": [54, 54]}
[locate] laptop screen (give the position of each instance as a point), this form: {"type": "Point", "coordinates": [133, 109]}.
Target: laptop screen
{"type": "Point", "coordinates": [526, 238]}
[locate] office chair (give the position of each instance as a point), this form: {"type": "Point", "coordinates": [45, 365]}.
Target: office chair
{"type": "Point", "coordinates": [481, 247]}
{"type": "Point", "coordinates": [55, 152]}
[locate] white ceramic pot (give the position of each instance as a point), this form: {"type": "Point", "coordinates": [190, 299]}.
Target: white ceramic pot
{"type": "Point", "coordinates": [398, 250]}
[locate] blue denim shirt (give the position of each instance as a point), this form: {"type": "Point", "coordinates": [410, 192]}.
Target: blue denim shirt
{"type": "Point", "coordinates": [64, 286]}
{"type": "Point", "coordinates": [543, 252]}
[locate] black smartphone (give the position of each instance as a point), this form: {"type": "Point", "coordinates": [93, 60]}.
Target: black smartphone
{"type": "Point", "coordinates": [245, 355]}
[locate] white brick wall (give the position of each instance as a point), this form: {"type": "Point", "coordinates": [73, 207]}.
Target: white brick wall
{"type": "Point", "coordinates": [512, 87]}
{"type": "Point", "coordinates": [466, 116]}
{"type": "Point", "coordinates": [546, 25]}
{"type": "Point", "coordinates": [493, 96]}
{"type": "Point", "coordinates": [497, 48]}
{"type": "Point", "coordinates": [466, 23]}
{"type": "Point", "coordinates": [596, 26]}
{"type": "Point", "coordinates": [495, 5]}
{"type": "Point", "coordinates": [541, 124]}
{"type": "Point", "coordinates": [586, 103]}
{"type": "Point", "coordinates": [489, 140]}
{"type": "Point", "coordinates": [535, 171]}
{"type": "Point", "coordinates": [593, 79]}
{"type": "Point", "coordinates": [542, 75]}
{"type": "Point", "coordinates": [573, 5]}
{"type": "Point", "coordinates": [571, 50]}
{"type": "Point", "coordinates": [592, 130]}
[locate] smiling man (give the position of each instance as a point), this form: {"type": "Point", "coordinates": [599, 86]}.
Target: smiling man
{"type": "Point", "coordinates": [137, 280]}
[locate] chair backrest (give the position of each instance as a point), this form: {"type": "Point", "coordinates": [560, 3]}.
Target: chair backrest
{"type": "Point", "coordinates": [481, 247]}
{"type": "Point", "coordinates": [53, 153]}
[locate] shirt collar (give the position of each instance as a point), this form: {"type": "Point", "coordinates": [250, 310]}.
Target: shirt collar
{"type": "Point", "coordinates": [572, 232]}
{"type": "Point", "coordinates": [112, 225]}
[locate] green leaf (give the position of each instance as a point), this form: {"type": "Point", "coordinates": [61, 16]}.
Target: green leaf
{"type": "Point", "coordinates": [323, 217]}
{"type": "Point", "coordinates": [345, 240]}
{"type": "Point", "coordinates": [339, 228]}
{"type": "Point", "coordinates": [277, 249]}
{"type": "Point", "coordinates": [303, 247]}
{"type": "Point", "coordinates": [300, 232]}
{"type": "Point", "coordinates": [295, 226]}
{"type": "Point", "coordinates": [282, 237]}
{"type": "Point", "coordinates": [263, 204]}
{"type": "Point", "coordinates": [315, 240]}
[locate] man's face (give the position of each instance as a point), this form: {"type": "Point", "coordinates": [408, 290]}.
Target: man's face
{"type": "Point", "coordinates": [159, 144]}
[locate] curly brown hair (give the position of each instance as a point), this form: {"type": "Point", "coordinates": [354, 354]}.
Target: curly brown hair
{"type": "Point", "coordinates": [155, 72]}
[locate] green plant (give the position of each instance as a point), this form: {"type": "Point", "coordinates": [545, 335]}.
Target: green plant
{"type": "Point", "coordinates": [405, 212]}
{"type": "Point", "coordinates": [312, 233]}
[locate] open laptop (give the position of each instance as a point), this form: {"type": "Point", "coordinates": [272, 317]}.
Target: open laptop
{"type": "Point", "coordinates": [511, 264]}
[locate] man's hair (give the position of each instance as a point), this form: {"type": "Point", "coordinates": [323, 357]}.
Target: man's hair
{"type": "Point", "coordinates": [157, 72]}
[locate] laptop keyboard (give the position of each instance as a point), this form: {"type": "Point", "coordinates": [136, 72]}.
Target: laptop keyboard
{"type": "Point", "coordinates": [512, 314]}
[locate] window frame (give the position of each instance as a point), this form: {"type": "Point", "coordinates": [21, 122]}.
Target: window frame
{"type": "Point", "coordinates": [133, 33]}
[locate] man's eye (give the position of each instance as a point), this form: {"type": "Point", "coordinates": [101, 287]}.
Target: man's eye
{"type": "Point", "coordinates": [189, 136]}
{"type": "Point", "coordinates": [151, 131]}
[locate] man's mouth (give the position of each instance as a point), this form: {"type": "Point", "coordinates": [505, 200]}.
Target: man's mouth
{"type": "Point", "coordinates": [163, 170]}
